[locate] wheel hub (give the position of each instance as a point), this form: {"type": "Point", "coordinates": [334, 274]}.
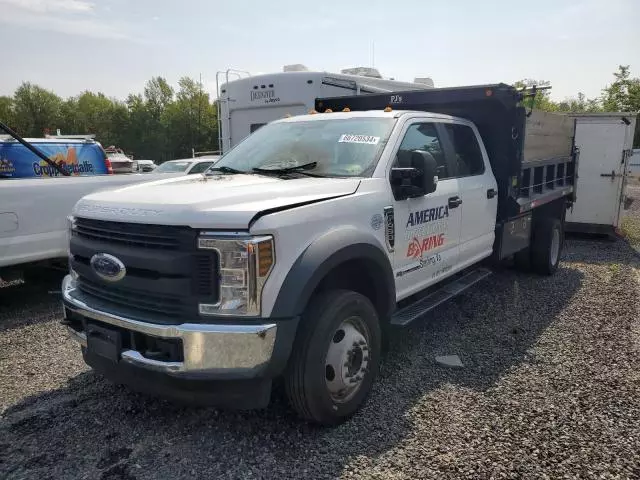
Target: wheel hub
{"type": "Point", "coordinates": [347, 360]}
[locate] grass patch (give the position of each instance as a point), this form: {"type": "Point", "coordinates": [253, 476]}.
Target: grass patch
{"type": "Point", "coordinates": [630, 229]}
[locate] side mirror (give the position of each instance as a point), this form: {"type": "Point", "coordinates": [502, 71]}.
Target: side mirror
{"type": "Point", "coordinates": [416, 180]}
{"type": "Point", "coordinates": [429, 168]}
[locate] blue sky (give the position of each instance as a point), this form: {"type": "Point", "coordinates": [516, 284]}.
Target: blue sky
{"type": "Point", "coordinates": [114, 46]}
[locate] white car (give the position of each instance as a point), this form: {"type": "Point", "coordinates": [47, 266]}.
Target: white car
{"type": "Point", "coordinates": [187, 166]}
{"type": "Point", "coordinates": [144, 166]}
{"type": "Point", "coordinates": [36, 198]}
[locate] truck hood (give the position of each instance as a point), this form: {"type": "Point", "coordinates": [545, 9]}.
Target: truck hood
{"type": "Point", "coordinates": [217, 201]}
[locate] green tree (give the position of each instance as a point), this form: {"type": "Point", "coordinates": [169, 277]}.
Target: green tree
{"type": "Point", "coordinates": [158, 95]}
{"type": "Point", "coordinates": [542, 100]}
{"type": "Point", "coordinates": [191, 120]}
{"type": "Point", "coordinates": [7, 113]}
{"type": "Point", "coordinates": [36, 110]}
{"type": "Point", "coordinates": [579, 104]}
{"type": "Point", "coordinates": [134, 141]}
{"type": "Point", "coordinates": [623, 95]}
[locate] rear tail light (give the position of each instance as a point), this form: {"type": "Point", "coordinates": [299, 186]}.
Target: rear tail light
{"type": "Point", "coordinates": [107, 162]}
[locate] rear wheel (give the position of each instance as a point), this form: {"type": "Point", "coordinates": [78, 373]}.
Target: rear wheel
{"type": "Point", "coordinates": [547, 246]}
{"type": "Point", "coordinates": [335, 358]}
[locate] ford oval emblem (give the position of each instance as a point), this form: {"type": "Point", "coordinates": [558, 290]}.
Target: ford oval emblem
{"type": "Point", "coordinates": [108, 267]}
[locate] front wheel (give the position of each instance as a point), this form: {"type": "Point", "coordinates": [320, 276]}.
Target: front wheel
{"type": "Point", "coordinates": [335, 358]}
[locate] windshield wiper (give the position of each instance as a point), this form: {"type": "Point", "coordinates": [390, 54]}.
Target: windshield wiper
{"type": "Point", "coordinates": [225, 169]}
{"type": "Point", "coordinates": [297, 169]}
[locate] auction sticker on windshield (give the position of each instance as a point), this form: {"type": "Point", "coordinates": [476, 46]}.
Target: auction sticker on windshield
{"type": "Point", "coordinates": [349, 138]}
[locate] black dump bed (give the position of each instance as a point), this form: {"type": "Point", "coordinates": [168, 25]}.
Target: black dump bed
{"type": "Point", "coordinates": [532, 154]}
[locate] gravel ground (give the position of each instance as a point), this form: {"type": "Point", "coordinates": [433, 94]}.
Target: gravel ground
{"type": "Point", "coordinates": [550, 388]}
{"type": "Point", "coordinates": [631, 216]}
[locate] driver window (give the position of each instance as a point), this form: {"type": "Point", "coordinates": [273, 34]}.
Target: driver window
{"type": "Point", "coordinates": [423, 136]}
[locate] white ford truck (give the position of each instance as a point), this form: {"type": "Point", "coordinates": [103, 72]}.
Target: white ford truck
{"type": "Point", "coordinates": [298, 251]}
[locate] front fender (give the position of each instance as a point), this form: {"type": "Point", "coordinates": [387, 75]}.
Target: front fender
{"type": "Point", "coordinates": [322, 256]}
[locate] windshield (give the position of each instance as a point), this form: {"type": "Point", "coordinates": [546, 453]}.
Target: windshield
{"type": "Point", "coordinates": [170, 167]}
{"type": "Point", "coordinates": [337, 147]}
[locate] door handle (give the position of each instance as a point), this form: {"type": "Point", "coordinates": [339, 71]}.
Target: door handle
{"type": "Point", "coordinates": [612, 175]}
{"type": "Point", "coordinates": [454, 202]}
{"type": "Point", "coordinates": [492, 192]}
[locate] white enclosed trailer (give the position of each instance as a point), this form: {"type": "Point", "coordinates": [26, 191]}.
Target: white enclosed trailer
{"type": "Point", "coordinates": [605, 141]}
{"type": "Point", "coordinates": [249, 102]}
{"type": "Point", "coordinates": [634, 165]}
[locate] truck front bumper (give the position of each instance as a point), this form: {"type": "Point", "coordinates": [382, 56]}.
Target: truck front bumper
{"type": "Point", "coordinates": [229, 353]}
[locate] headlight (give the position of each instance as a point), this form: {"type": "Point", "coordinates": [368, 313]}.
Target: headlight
{"type": "Point", "coordinates": [245, 264]}
{"type": "Point", "coordinates": [71, 224]}
{"type": "Point", "coordinates": [71, 227]}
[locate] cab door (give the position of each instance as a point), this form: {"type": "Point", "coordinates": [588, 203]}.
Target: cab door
{"type": "Point", "coordinates": [478, 192]}
{"type": "Point", "coordinates": [427, 227]}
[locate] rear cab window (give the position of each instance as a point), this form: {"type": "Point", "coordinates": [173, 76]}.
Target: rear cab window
{"type": "Point", "coordinates": [78, 159]}
{"type": "Point", "coordinates": [468, 160]}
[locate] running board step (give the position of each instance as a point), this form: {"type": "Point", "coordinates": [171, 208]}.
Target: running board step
{"type": "Point", "coordinates": [411, 312]}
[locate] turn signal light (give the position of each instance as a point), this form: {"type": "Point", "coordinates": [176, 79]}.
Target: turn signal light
{"type": "Point", "coordinates": [265, 257]}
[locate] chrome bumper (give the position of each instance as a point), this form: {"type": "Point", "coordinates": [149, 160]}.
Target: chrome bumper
{"type": "Point", "coordinates": [207, 349]}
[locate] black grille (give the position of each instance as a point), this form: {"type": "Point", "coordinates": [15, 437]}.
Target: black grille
{"type": "Point", "coordinates": [133, 234]}
{"type": "Point", "coordinates": [166, 275]}
{"type": "Point", "coordinates": [138, 300]}
{"type": "Point", "coordinates": [204, 274]}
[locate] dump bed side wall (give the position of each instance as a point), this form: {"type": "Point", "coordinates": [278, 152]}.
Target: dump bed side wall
{"type": "Point", "coordinates": [547, 135]}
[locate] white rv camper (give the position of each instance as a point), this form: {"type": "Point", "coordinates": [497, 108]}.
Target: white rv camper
{"type": "Point", "coordinates": [249, 102]}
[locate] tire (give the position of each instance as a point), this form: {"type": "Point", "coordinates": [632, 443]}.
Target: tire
{"type": "Point", "coordinates": [311, 381]}
{"type": "Point", "coordinates": [43, 276]}
{"type": "Point", "coordinates": [522, 260]}
{"type": "Point", "coordinates": [546, 247]}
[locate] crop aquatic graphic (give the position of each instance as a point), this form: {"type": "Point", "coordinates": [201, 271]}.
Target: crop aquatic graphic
{"type": "Point", "coordinates": [68, 162]}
